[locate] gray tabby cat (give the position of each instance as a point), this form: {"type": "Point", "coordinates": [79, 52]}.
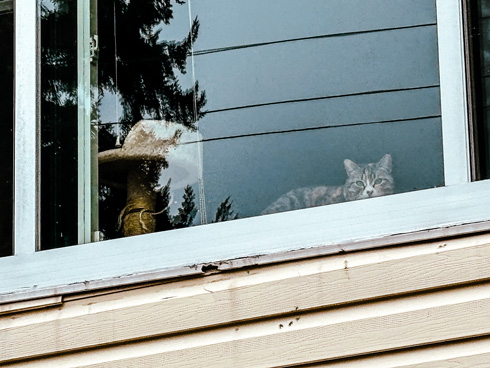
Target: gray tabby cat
{"type": "Point", "coordinates": [363, 181]}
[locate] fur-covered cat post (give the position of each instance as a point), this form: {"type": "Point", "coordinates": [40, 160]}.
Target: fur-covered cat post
{"type": "Point", "coordinates": [136, 165]}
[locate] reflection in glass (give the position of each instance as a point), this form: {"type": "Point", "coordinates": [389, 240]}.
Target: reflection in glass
{"type": "Point", "coordinates": [198, 117]}
{"type": "Point", "coordinates": [480, 29]}
{"type": "Point", "coordinates": [140, 67]}
{"type": "Point", "coordinates": [6, 128]}
{"type": "Point", "coordinates": [59, 135]}
{"type": "Point", "coordinates": [133, 73]}
{"type": "Point", "coordinates": [153, 150]}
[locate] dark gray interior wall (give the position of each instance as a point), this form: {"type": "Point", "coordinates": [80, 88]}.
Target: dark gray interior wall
{"type": "Point", "coordinates": [331, 80]}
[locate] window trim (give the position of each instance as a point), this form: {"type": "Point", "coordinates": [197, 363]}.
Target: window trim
{"type": "Point", "coordinates": [26, 122]}
{"type": "Point", "coordinates": [84, 123]}
{"type": "Point", "coordinates": [452, 74]}
{"type": "Point", "coordinates": [458, 208]}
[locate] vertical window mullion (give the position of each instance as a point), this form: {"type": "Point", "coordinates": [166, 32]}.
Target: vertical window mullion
{"type": "Point", "coordinates": [457, 168]}
{"type": "Point", "coordinates": [26, 129]}
{"type": "Point", "coordinates": [84, 142]}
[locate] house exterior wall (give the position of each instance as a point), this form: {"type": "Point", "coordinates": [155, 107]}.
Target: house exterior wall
{"type": "Point", "coordinates": [411, 305]}
{"type": "Point", "coordinates": [414, 303]}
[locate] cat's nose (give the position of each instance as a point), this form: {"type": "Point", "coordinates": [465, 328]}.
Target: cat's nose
{"type": "Point", "coordinates": [369, 192]}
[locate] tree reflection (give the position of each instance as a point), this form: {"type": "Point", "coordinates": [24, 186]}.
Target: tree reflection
{"type": "Point", "coordinates": [146, 64]}
{"type": "Point", "coordinates": [146, 85]}
{"type": "Point", "coordinates": [58, 123]}
{"type": "Point", "coordinates": [141, 68]}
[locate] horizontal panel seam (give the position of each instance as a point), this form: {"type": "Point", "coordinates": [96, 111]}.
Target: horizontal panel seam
{"type": "Point", "coordinates": [330, 35]}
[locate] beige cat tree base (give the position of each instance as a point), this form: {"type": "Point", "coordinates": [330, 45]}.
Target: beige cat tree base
{"type": "Point", "coordinates": [136, 166]}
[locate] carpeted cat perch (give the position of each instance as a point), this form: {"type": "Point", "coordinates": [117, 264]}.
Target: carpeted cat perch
{"type": "Point", "coordinates": [136, 166]}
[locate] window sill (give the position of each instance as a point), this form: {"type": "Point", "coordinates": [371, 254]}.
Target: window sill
{"type": "Point", "coordinates": [397, 219]}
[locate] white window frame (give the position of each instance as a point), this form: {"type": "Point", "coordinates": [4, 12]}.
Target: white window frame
{"type": "Point", "coordinates": [459, 207]}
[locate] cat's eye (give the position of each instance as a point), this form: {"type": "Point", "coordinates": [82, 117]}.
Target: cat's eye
{"type": "Point", "coordinates": [378, 181]}
{"type": "Point", "coordinates": [359, 183]}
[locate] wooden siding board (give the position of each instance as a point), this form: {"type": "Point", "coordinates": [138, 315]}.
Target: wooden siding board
{"type": "Point", "coordinates": [30, 305]}
{"type": "Point", "coordinates": [208, 304]}
{"type": "Point", "coordinates": [477, 361]}
{"type": "Point", "coordinates": [469, 353]}
{"type": "Point", "coordinates": [269, 345]}
{"type": "Point", "coordinates": [332, 342]}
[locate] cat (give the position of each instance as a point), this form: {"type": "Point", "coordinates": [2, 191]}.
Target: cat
{"type": "Point", "coordinates": [363, 181]}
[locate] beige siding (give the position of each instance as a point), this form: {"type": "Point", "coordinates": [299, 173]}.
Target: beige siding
{"type": "Point", "coordinates": [419, 305]}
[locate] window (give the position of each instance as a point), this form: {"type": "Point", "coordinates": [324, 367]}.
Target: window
{"type": "Point", "coordinates": [237, 108]}
{"type": "Point", "coordinates": [267, 112]}
{"type": "Point", "coordinates": [6, 124]}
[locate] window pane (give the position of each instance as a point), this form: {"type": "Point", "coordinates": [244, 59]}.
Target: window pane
{"type": "Point", "coordinates": [212, 110]}
{"type": "Point", "coordinates": [59, 197]}
{"type": "Point", "coordinates": [286, 105]}
{"type": "Point", "coordinates": [6, 126]}
{"type": "Point", "coordinates": [480, 28]}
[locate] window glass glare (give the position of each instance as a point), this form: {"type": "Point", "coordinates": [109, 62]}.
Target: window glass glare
{"type": "Point", "coordinates": [163, 115]}
{"type": "Point", "coordinates": [6, 124]}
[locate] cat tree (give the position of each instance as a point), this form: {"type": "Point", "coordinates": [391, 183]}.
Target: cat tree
{"type": "Point", "coordinates": [136, 167]}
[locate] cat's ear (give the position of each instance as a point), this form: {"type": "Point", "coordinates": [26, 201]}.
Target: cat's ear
{"type": "Point", "coordinates": [350, 166]}
{"type": "Point", "coordinates": [386, 162]}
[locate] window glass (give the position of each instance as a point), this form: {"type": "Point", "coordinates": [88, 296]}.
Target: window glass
{"type": "Point", "coordinates": [480, 31]}
{"type": "Point", "coordinates": [6, 124]}
{"type": "Point", "coordinates": [59, 134]}
{"type": "Point", "coordinates": [161, 115]}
